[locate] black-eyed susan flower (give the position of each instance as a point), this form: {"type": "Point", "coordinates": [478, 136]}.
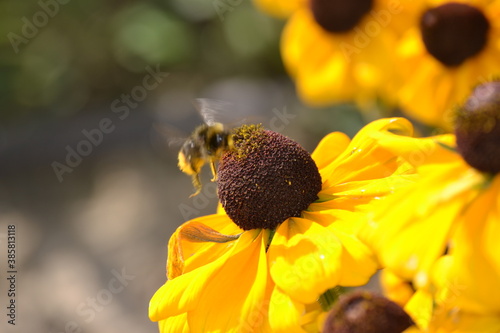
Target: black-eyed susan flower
{"type": "Point", "coordinates": [453, 209]}
{"type": "Point", "coordinates": [287, 235]}
{"type": "Point", "coordinates": [464, 287]}
{"type": "Point", "coordinates": [451, 47]}
{"type": "Point", "coordinates": [462, 295]}
{"type": "Point", "coordinates": [367, 312]}
{"type": "Point", "coordinates": [340, 51]}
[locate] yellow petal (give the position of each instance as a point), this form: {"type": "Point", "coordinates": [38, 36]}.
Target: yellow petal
{"type": "Point", "coordinates": [357, 195]}
{"type": "Point", "coordinates": [453, 310]}
{"type": "Point", "coordinates": [472, 282]}
{"type": "Point", "coordinates": [357, 262]}
{"type": "Point", "coordinates": [420, 151]}
{"type": "Point", "coordinates": [365, 158]}
{"type": "Point", "coordinates": [224, 295]}
{"type": "Point", "coordinates": [329, 148]}
{"type": "Point", "coordinates": [237, 295]}
{"type": "Point", "coordinates": [345, 221]}
{"type": "Point", "coordinates": [482, 223]}
{"type": "Point", "coordinates": [279, 8]}
{"type": "Point", "coordinates": [426, 210]}
{"type": "Point", "coordinates": [297, 36]}
{"type": "Point", "coordinates": [420, 307]}
{"type": "Point", "coordinates": [186, 253]}
{"type": "Point", "coordinates": [220, 209]}
{"type": "Point", "coordinates": [179, 295]}
{"type": "Point", "coordinates": [174, 324]}
{"type": "Point", "coordinates": [463, 322]}
{"type": "Point", "coordinates": [285, 313]}
{"type": "Point", "coordinates": [305, 259]}
{"type": "Point", "coordinates": [395, 288]}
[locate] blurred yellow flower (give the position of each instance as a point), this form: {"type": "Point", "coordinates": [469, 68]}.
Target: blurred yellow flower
{"type": "Point", "coordinates": [441, 232]}
{"type": "Point", "coordinates": [221, 278]}
{"type": "Point", "coordinates": [451, 302]}
{"type": "Point", "coordinates": [340, 51]}
{"type": "Point", "coordinates": [412, 228]}
{"type": "Point", "coordinates": [459, 187]}
{"type": "Point", "coordinates": [451, 47]}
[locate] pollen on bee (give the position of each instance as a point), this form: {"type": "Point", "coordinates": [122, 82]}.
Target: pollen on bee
{"type": "Point", "coordinates": [184, 165]}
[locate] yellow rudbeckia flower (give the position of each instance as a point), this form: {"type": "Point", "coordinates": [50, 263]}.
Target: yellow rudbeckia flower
{"type": "Point", "coordinates": [462, 295]}
{"type": "Point", "coordinates": [451, 47]}
{"type": "Point", "coordinates": [340, 51]}
{"type": "Point", "coordinates": [454, 209]}
{"type": "Point", "coordinates": [410, 230]}
{"type": "Point", "coordinates": [366, 312]}
{"type": "Point", "coordinates": [465, 284]}
{"type": "Point", "coordinates": [226, 278]}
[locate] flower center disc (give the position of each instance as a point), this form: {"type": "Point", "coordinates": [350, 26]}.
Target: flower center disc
{"type": "Point", "coordinates": [339, 15]}
{"type": "Point", "coordinates": [266, 178]}
{"type": "Point", "coordinates": [364, 311]}
{"type": "Point", "coordinates": [477, 128]}
{"type": "Point", "coordinates": [454, 32]}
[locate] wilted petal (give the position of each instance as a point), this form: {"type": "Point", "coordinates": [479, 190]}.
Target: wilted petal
{"type": "Point", "coordinates": [189, 249]}
{"type": "Point", "coordinates": [237, 283]}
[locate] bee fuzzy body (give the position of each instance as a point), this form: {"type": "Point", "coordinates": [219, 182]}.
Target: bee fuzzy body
{"type": "Point", "coordinates": [206, 144]}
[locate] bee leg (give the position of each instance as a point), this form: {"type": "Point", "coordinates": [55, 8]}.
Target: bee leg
{"type": "Point", "coordinates": [196, 184]}
{"type": "Point", "coordinates": [214, 171]}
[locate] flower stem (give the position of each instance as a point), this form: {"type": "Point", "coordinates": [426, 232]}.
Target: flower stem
{"type": "Point", "coordinates": [329, 297]}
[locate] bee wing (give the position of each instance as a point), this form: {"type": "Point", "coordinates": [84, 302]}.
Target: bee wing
{"type": "Point", "coordinates": [216, 111]}
{"type": "Point", "coordinates": [166, 135]}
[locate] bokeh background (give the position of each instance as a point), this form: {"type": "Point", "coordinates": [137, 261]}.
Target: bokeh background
{"type": "Point", "coordinates": [66, 67]}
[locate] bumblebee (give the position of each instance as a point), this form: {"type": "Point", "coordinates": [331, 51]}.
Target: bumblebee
{"type": "Point", "coordinates": [206, 144]}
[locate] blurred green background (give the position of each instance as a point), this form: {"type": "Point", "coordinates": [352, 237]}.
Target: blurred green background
{"type": "Point", "coordinates": [96, 79]}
